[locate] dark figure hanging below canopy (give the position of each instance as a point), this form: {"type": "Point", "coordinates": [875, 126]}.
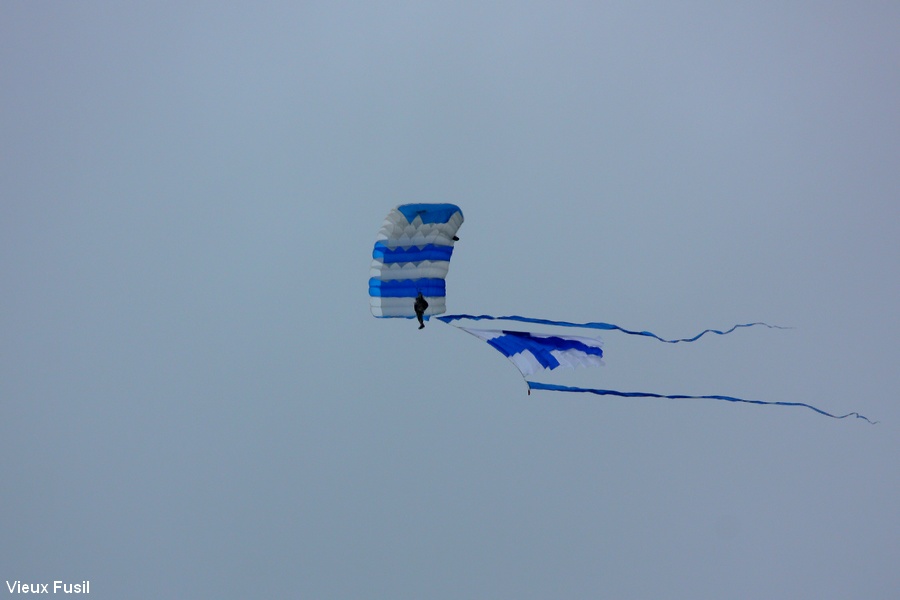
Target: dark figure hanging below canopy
{"type": "Point", "coordinates": [420, 307]}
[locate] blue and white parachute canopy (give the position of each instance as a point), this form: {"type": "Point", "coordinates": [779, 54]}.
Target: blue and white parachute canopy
{"type": "Point", "coordinates": [411, 255]}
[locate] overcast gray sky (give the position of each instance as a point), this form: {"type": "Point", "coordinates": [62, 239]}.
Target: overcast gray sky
{"type": "Point", "coordinates": [196, 401]}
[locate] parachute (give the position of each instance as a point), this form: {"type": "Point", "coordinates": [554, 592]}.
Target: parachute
{"type": "Point", "coordinates": [412, 255]}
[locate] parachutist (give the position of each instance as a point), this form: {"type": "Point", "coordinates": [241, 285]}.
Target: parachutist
{"type": "Point", "coordinates": [420, 306]}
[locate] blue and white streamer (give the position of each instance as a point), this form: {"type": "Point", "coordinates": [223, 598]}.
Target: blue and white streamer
{"type": "Point", "coordinates": [412, 255]}
{"type": "Point", "coordinates": [532, 352]}
{"type": "Point", "coordinates": [602, 326]}
{"type": "Point", "coordinates": [535, 385]}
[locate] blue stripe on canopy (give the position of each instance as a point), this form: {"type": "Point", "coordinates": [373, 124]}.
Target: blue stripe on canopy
{"type": "Point", "coordinates": [407, 288]}
{"type": "Point", "coordinates": [429, 213]}
{"type": "Point", "coordinates": [411, 254]}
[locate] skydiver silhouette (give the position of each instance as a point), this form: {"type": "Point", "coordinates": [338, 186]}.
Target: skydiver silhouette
{"type": "Point", "coordinates": [420, 306]}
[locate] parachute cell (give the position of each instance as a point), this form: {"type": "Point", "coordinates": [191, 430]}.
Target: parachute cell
{"type": "Point", "coordinates": [411, 255]}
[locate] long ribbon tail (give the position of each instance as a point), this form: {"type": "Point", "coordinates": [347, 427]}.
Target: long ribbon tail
{"type": "Point", "coordinates": [536, 385]}
{"type": "Point", "coordinates": [601, 326]}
